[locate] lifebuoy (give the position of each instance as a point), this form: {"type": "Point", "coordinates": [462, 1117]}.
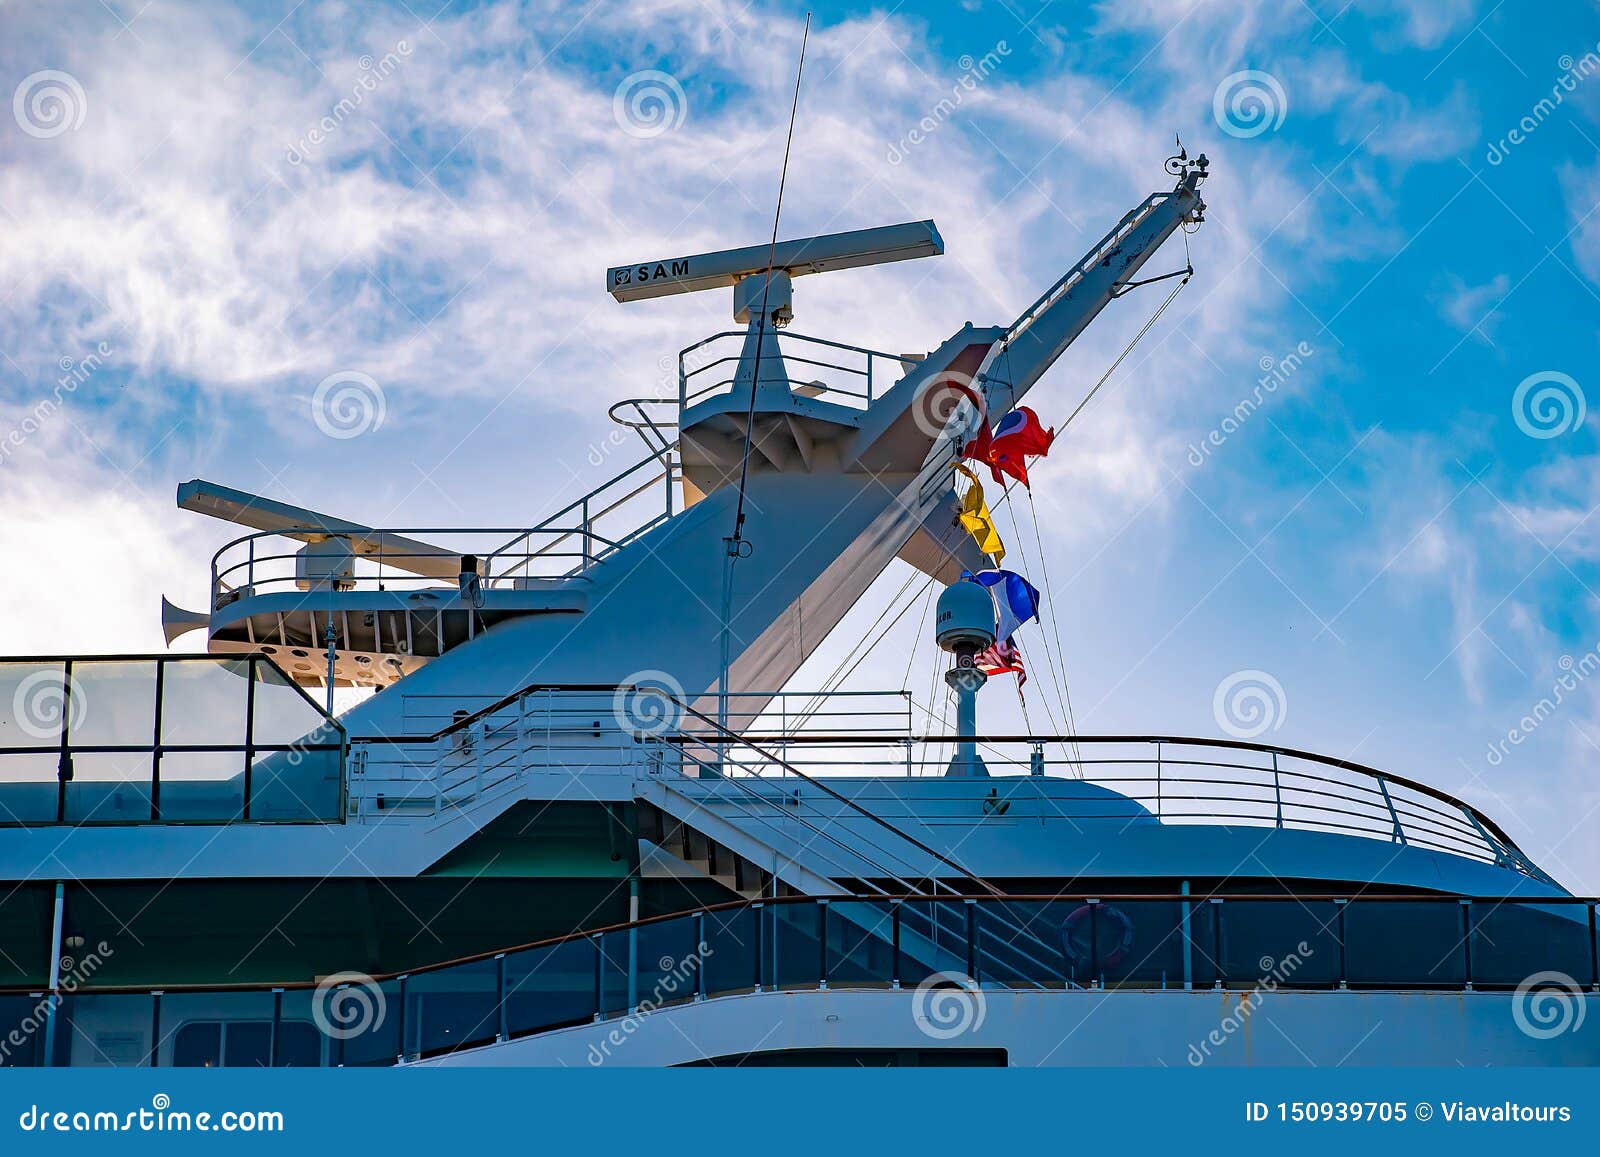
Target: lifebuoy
{"type": "Point", "coordinates": [1114, 934]}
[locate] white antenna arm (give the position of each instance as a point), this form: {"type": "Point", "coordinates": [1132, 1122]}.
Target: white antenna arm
{"type": "Point", "coordinates": [297, 522]}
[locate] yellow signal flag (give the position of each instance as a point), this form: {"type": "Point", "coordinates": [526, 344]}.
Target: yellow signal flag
{"type": "Point", "coordinates": [977, 520]}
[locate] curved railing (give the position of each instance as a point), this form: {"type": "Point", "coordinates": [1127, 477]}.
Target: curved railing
{"type": "Point", "coordinates": [833, 371]}
{"type": "Point", "coordinates": [1167, 779]}
{"type": "Point", "coordinates": [1171, 943]}
{"type": "Point", "coordinates": [1171, 779]}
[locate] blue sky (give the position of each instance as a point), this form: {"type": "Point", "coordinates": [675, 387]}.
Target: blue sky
{"type": "Point", "coordinates": [1381, 536]}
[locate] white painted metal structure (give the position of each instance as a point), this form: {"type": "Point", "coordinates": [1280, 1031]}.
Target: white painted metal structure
{"type": "Point", "coordinates": [525, 687]}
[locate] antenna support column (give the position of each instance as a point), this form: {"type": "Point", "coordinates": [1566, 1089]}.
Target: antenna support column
{"type": "Point", "coordinates": [966, 682]}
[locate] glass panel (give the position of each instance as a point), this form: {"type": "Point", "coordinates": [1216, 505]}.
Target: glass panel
{"type": "Point", "coordinates": [202, 785]}
{"type": "Point", "coordinates": [860, 942]}
{"type": "Point", "coordinates": [454, 1007]}
{"type": "Point", "coordinates": [113, 704]}
{"type": "Point", "coordinates": [933, 938]}
{"type": "Point", "coordinates": [1141, 943]}
{"type": "Point", "coordinates": [197, 1046]}
{"type": "Point", "coordinates": [797, 948]}
{"type": "Point", "coordinates": [105, 1031]}
{"type": "Point", "coordinates": [1404, 942]}
{"type": "Point", "coordinates": [295, 786]}
{"type": "Point", "coordinates": [1021, 942]}
{"type": "Point", "coordinates": [28, 786]}
{"type": "Point", "coordinates": [547, 987]}
{"type": "Point", "coordinates": [1511, 942]}
{"type": "Point", "coordinates": [203, 702]}
{"type": "Point", "coordinates": [31, 696]}
{"type": "Point", "coordinates": [109, 787]}
{"type": "Point", "coordinates": [731, 936]}
{"type": "Point", "coordinates": [1290, 943]}
{"type": "Point", "coordinates": [375, 1035]}
{"type": "Point", "coordinates": [22, 1025]}
{"type": "Point", "coordinates": [669, 962]}
{"type": "Point", "coordinates": [198, 1029]}
{"type": "Point", "coordinates": [284, 715]}
{"type": "Point", "coordinates": [247, 1045]}
{"type": "Point", "coordinates": [614, 973]}
{"type": "Point", "coordinates": [301, 1044]}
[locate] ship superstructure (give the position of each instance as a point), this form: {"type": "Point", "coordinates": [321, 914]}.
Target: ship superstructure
{"type": "Point", "coordinates": [584, 794]}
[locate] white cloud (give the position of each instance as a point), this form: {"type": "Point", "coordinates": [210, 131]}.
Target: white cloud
{"type": "Point", "coordinates": [1474, 307]}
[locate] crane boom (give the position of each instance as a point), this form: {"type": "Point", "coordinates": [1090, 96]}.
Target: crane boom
{"type": "Point", "coordinates": [1047, 327]}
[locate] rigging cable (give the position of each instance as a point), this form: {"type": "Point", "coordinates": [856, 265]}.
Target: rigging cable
{"type": "Point", "coordinates": [737, 546]}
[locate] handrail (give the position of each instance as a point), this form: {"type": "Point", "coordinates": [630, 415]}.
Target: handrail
{"type": "Point", "coordinates": [1417, 816]}
{"type": "Point", "coordinates": [1194, 898]}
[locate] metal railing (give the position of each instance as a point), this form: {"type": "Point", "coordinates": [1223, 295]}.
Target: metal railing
{"type": "Point", "coordinates": [1143, 942]}
{"type": "Point", "coordinates": [138, 739]}
{"type": "Point", "coordinates": [1189, 780]}
{"type": "Point", "coordinates": [450, 757]}
{"type": "Point", "coordinates": [566, 543]}
{"type": "Point", "coordinates": [1165, 779]}
{"type": "Point", "coordinates": [832, 371]}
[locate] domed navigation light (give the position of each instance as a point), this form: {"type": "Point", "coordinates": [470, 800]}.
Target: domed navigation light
{"type": "Point", "coordinates": [964, 625]}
